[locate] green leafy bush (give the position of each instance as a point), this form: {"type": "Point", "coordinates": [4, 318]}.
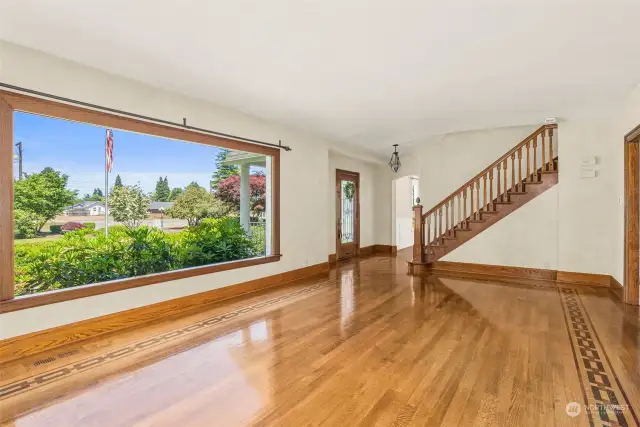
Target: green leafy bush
{"type": "Point", "coordinates": [214, 240]}
{"type": "Point", "coordinates": [79, 258]}
{"type": "Point", "coordinates": [25, 224]}
{"type": "Point", "coordinates": [90, 225]}
{"type": "Point", "coordinates": [55, 229]}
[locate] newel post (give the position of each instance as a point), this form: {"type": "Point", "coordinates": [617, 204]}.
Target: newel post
{"type": "Point", "coordinates": [418, 233]}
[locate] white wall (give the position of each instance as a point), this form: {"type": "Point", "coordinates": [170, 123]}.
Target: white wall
{"type": "Point", "coordinates": [403, 212]}
{"type": "Point", "coordinates": [575, 226]}
{"type": "Point", "coordinates": [304, 182]}
{"type": "Point", "coordinates": [591, 211]}
{"type": "Point", "coordinates": [367, 198]}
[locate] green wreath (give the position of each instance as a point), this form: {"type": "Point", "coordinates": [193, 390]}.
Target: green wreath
{"type": "Point", "coordinates": [349, 190]}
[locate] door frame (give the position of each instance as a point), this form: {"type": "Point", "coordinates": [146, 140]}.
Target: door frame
{"type": "Point", "coordinates": [356, 239]}
{"type": "Point", "coordinates": [632, 216]}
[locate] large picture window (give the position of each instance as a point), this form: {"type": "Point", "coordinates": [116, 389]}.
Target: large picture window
{"type": "Point", "coordinates": [102, 202]}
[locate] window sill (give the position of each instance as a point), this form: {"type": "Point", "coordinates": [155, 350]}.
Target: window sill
{"type": "Point", "coordinates": [51, 297]}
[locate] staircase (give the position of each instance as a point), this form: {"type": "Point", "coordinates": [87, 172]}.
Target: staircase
{"type": "Point", "coordinates": [520, 175]}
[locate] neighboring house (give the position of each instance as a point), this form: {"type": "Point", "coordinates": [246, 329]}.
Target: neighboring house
{"type": "Point", "coordinates": [85, 209]}
{"type": "Point", "coordinates": [159, 207]}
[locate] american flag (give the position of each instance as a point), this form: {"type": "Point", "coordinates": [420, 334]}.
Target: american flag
{"type": "Point", "coordinates": [109, 150]}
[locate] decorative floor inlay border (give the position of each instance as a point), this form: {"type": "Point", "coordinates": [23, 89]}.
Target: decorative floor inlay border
{"type": "Point", "coordinates": [606, 403]}
{"type": "Point", "coordinates": [30, 383]}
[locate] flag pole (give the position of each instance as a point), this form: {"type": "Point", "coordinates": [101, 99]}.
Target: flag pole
{"type": "Point", "coordinates": [106, 184]}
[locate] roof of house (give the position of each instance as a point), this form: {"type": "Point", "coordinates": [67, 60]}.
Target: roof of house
{"type": "Point", "coordinates": [156, 206]}
{"type": "Point", "coordinates": [85, 205]}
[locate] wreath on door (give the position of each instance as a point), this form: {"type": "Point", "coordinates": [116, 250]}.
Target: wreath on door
{"type": "Point", "coordinates": [349, 190]}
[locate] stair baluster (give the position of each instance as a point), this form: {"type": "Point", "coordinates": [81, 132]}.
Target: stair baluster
{"type": "Point", "coordinates": [528, 178]}
{"type": "Point", "coordinates": [498, 193]}
{"type": "Point", "coordinates": [519, 184]}
{"type": "Point", "coordinates": [513, 172]}
{"type": "Point", "coordinates": [453, 221]}
{"type": "Point", "coordinates": [428, 234]}
{"type": "Point", "coordinates": [464, 206]}
{"type": "Point", "coordinates": [446, 217]}
{"type": "Point", "coordinates": [440, 228]}
{"type": "Point", "coordinates": [551, 163]}
{"type": "Point", "coordinates": [542, 135]}
{"type": "Point", "coordinates": [473, 214]}
{"type": "Point", "coordinates": [484, 187]}
{"type": "Point", "coordinates": [478, 198]}
{"type": "Point", "coordinates": [505, 196]}
{"type": "Point", "coordinates": [535, 159]}
{"type": "Point", "coordinates": [491, 189]}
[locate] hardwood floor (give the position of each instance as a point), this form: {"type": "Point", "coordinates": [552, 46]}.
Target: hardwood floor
{"type": "Point", "coordinates": [364, 345]}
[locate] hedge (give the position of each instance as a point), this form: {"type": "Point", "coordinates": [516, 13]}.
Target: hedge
{"type": "Point", "coordinates": [78, 258]}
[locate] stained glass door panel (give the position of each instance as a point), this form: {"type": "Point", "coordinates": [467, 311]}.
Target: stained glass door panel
{"type": "Point", "coordinates": [347, 214]}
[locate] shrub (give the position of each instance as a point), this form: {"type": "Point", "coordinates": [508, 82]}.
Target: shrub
{"type": "Point", "coordinates": [25, 224]}
{"type": "Point", "coordinates": [90, 225]}
{"type": "Point", "coordinates": [71, 226]}
{"type": "Point", "coordinates": [55, 229]}
{"type": "Point", "coordinates": [214, 240]}
{"type": "Point", "coordinates": [79, 258]}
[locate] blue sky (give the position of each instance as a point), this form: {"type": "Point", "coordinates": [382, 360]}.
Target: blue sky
{"type": "Point", "coordinates": [77, 150]}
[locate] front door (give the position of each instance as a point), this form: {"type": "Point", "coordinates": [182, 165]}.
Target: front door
{"type": "Point", "coordinates": [347, 213]}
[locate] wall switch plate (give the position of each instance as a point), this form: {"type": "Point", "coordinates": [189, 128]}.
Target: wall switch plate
{"type": "Point", "coordinates": [588, 161]}
{"type": "Point", "coordinates": [587, 173]}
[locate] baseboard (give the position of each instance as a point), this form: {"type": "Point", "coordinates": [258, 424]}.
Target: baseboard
{"type": "Point", "coordinates": [369, 250]}
{"type": "Point", "coordinates": [584, 278]}
{"type": "Point", "coordinates": [385, 249]}
{"type": "Point", "coordinates": [503, 271]}
{"type": "Point", "coordinates": [29, 344]}
{"type": "Point", "coordinates": [617, 289]}
{"type": "Point", "coordinates": [494, 270]}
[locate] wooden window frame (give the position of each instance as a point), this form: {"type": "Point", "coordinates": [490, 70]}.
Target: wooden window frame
{"type": "Point", "coordinates": [631, 216]}
{"type": "Point", "coordinates": [11, 102]}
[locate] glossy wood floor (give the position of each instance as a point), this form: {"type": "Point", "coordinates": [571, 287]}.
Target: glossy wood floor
{"type": "Point", "coordinates": [366, 345]}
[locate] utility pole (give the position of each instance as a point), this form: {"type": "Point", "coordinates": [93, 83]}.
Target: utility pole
{"type": "Point", "coordinates": [19, 145]}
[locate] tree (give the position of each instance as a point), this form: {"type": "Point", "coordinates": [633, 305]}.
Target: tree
{"type": "Point", "coordinates": [97, 196]}
{"type": "Point", "coordinates": [175, 193]}
{"type": "Point", "coordinates": [229, 192]}
{"type": "Point", "coordinates": [223, 171]}
{"type": "Point", "coordinates": [163, 192]}
{"type": "Point", "coordinates": [118, 183]}
{"type": "Point", "coordinates": [129, 205]}
{"type": "Point", "coordinates": [44, 195]}
{"type": "Point", "coordinates": [196, 204]}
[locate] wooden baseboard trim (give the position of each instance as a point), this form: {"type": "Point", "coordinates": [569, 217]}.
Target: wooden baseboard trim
{"type": "Point", "coordinates": [366, 250]}
{"type": "Point", "coordinates": [494, 270]}
{"type": "Point", "coordinates": [617, 289]}
{"type": "Point", "coordinates": [36, 342]}
{"type": "Point", "coordinates": [584, 278]}
{"type": "Point", "coordinates": [501, 271]}
{"type": "Point", "coordinates": [385, 249]}
{"type": "Point", "coordinates": [369, 250]}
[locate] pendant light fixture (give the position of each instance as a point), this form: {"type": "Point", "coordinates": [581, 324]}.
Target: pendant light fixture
{"type": "Point", "coordinates": [394, 163]}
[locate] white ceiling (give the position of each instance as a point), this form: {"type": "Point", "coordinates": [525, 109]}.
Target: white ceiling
{"type": "Point", "coordinates": [364, 72]}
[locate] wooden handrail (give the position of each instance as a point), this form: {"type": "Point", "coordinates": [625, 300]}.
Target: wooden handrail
{"type": "Point", "coordinates": [495, 164]}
